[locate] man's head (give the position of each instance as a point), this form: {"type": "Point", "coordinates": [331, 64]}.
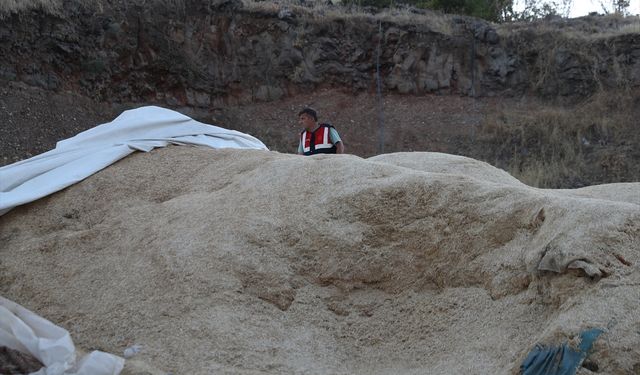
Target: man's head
{"type": "Point", "coordinates": [309, 111]}
{"type": "Point", "coordinates": [308, 118]}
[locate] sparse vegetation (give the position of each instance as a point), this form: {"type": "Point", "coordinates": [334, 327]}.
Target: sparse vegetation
{"type": "Point", "coordinates": [8, 7]}
{"type": "Point", "coordinates": [326, 11]}
{"type": "Point", "coordinates": [14, 6]}
{"type": "Point", "coordinates": [548, 146]}
{"type": "Point", "coordinates": [584, 28]}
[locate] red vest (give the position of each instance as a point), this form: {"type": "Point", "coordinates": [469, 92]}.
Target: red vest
{"type": "Point", "coordinates": [317, 141]}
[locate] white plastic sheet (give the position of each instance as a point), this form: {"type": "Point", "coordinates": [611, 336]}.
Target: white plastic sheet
{"type": "Point", "coordinates": [26, 332]}
{"type": "Point", "coordinates": [76, 158]}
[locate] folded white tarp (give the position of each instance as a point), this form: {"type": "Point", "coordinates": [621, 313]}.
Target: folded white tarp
{"type": "Point", "coordinates": [28, 333]}
{"type": "Point", "coordinates": [77, 158]}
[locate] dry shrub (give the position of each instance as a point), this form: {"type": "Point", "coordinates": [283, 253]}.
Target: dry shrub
{"type": "Point", "coordinates": [586, 28]}
{"type": "Point", "coordinates": [325, 12]}
{"type": "Point", "coordinates": [549, 146]}
{"type": "Point", "coordinates": [54, 7]}
{"type": "Point", "coordinates": [14, 6]}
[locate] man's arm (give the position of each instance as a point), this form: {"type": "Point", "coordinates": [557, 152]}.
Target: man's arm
{"type": "Point", "coordinates": [335, 139]}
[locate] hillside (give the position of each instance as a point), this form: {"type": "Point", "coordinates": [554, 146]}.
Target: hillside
{"type": "Point", "coordinates": [553, 102]}
{"type": "Point", "coordinates": [246, 262]}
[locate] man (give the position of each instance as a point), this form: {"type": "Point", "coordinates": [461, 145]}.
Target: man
{"type": "Point", "coordinates": [317, 138]}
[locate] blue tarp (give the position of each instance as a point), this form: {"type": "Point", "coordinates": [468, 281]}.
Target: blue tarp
{"type": "Point", "coordinates": [559, 360]}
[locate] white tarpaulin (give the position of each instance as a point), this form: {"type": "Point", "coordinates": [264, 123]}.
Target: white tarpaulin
{"type": "Point", "coordinates": [26, 332]}
{"type": "Point", "coordinates": [77, 158]}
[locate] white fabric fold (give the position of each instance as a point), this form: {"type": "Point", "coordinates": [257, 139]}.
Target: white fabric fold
{"type": "Point", "coordinates": [76, 158]}
{"type": "Point", "coordinates": [26, 332]}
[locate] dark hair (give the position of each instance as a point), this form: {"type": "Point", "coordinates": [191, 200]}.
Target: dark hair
{"type": "Point", "coordinates": [309, 111]}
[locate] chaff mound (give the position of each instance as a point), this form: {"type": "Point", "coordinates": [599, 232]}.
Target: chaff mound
{"type": "Point", "coordinates": [244, 262]}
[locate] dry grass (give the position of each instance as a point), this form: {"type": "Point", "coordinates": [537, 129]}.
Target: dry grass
{"type": "Point", "coordinates": [631, 28]}
{"type": "Point", "coordinates": [14, 6]}
{"type": "Point", "coordinates": [550, 147]}
{"type": "Point", "coordinates": [584, 28]}
{"type": "Point", "coordinates": [322, 11]}
{"type": "Point", "coordinates": [314, 10]}
{"type": "Point", "coordinates": [8, 7]}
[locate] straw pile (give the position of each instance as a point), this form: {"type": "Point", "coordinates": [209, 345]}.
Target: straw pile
{"type": "Point", "coordinates": [250, 262]}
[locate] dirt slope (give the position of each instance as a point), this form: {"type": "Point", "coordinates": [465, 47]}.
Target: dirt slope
{"type": "Point", "coordinates": [247, 262]}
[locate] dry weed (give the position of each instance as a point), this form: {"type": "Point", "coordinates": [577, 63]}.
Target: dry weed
{"type": "Point", "coordinates": [54, 7]}
{"type": "Point", "coordinates": [587, 28]}
{"type": "Point", "coordinates": [14, 6]}
{"type": "Point", "coordinates": [549, 146]}
{"type": "Point", "coordinates": [323, 11]}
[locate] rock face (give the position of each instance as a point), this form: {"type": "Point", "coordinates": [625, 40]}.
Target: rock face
{"type": "Point", "coordinates": [235, 261]}
{"type": "Point", "coordinates": [202, 54]}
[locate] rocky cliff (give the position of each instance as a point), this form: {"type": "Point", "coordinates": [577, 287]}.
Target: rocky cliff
{"type": "Point", "coordinates": [195, 53]}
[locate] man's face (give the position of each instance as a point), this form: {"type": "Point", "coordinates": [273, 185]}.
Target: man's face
{"type": "Point", "coordinates": [307, 121]}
